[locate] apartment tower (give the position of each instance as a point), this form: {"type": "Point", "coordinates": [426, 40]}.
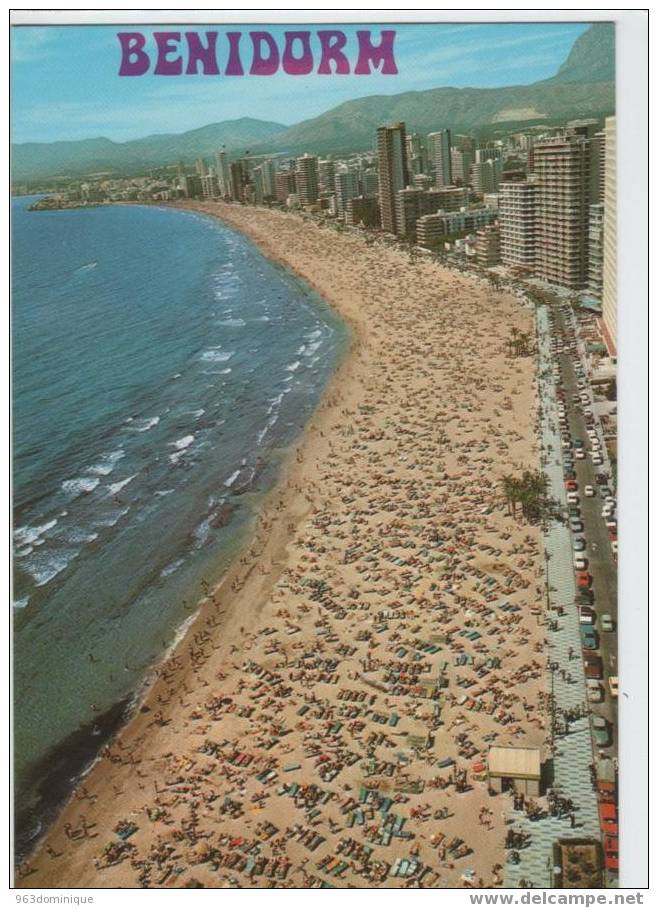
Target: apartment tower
{"type": "Point", "coordinates": [562, 168]}
{"type": "Point", "coordinates": [393, 172]}
{"type": "Point", "coordinates": [610, 235]}
{"type": "Point", "coordinates": [517, 205]}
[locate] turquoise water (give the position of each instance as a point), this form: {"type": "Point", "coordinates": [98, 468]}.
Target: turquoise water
{"type": "Point", "coordinates": [161, 366]}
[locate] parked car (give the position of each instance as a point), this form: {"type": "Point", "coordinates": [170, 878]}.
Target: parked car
{"type": "Point", "coordinates": [593, 666]}
{"type": "Point", "coordinates": [613, 682]}
{"type": "Point", "coordinates": [580, 562]}
{"type": "Point", "coordinates": [608, 818]}
{"type": "Point", "coordinates": [583, 580]}
{"type": "Point", "coordinates": [580, 454]}
{"type": "Point", "coordinates": [589, 492]}
{"type": "Point", "coordinates": [576, 525]}
{"type": "Point", "coordinates": [578, 443]}
{"type": "Point", "coordinates": [579, 544]}
{"type": "Point", "coordinates": [594, 691]}
{"type": "Point", "coordinates": [588, 636]}
{"type": "Point", "coordinates": [571, 485]}
{"type": "Point", "coordinates": [572, 498]}
{"type": "Point", "coordinates": [611, 852]}
{"type": "Point", "coordinates": [607, 624]}
{"type": "Point", "coordinates": [602, 733]}
{"type": "Point", "coordinates": [587, 614]}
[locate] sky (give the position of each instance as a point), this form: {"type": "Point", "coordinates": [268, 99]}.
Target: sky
{"type": "Point", "coordinates": [65, 82]}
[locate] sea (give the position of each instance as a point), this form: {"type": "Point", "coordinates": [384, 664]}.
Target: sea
{"type": "Point", "coordinates": [162, 368]}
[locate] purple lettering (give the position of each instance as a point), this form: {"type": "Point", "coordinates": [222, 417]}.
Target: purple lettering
{"type": "Point", "coordinates": [383, 54]}
{"type": "Point", "coordinates": [197, 53]}
{"type": "Point", "coordinates": [332, 44]}
{"type": "Point", "coordinates": [132, 45]}
{"type": "Point", "coordinates": [297, 66]}
{"type": "Point", "coordinates": [167, 44]}
{"type": "Point", "coordinates": [234, 65]}
{"type": "Point", "coordinates": [260, 65]}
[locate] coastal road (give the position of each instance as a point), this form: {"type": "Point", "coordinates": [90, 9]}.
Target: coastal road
{"type": "Point", "coordinates": [602, 566]}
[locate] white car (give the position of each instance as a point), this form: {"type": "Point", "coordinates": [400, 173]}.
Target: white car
{"type": "Point", "coordinates": [597, 460]}
{"type": "Point", "coordinates": [589, 491]}
{"type": "Point", "coordinates": [580, 454]}
{"type": "Point", "coordinates": [594, 691]}
{"type": "Point", "coordinates": [572, 498]}
{"type": "Point", "coordinates": [580, 562]}
{"type": "Point", "coordinates": [607, 624]}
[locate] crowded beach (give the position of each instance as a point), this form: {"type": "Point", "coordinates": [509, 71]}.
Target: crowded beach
{"type": "Point", "coordinates": [326, 720]}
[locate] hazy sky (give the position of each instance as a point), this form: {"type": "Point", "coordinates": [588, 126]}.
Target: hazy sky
{"type": "Point", "coordinates": [65, 82]}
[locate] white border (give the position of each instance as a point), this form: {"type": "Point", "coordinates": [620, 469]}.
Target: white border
{"type": "Point", "coordinates": [632, 123]}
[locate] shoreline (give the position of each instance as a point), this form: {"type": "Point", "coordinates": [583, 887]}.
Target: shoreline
{"type": "Point", "coordinates": [144, 692]}
{"type": "Point", "coordinates": [258, 567]}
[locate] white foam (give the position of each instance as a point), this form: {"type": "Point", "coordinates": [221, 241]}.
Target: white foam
{"type": "Point", "coordinates": [170, 568]}
{"type": "Point", "coordinates": [182, 443]}
{"type": "Point", "coordinates": [107, 462]}
{"type": "Point", "coordinates": [146, 424]}
{"type": "Point", "coordinates": [293, 366]}
{"type": "Point", "coordinates": [216, 356]}
{"type": "Point", "coordinates": [21, 603]}
{"type": "Point", "coordinates": [229, 482]}
{"type": "Point", "coordinates": [83, 485]}
{"type": "Point", "coordinates": [109, 520]}
{"type": "Point", "coordinates": [28, 535]}
{"type": "Point", "coordinates": [44, 568]}
{"type": "Point", "coordinates": [115, 487]}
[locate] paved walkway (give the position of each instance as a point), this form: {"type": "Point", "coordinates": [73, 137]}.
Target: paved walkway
{"type": "Point", "coordinates": [573, 752]}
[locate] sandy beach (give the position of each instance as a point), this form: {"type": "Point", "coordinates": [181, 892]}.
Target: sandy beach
{"type": "Point", "coordinates": [326, 719]}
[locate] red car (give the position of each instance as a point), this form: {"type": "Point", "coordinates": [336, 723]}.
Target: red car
{"type": "Point", "coordinates": [571, 485]}
{"type": "Point", "coordinates": [611, 852]}
{"type": "Point", "coordinates": [583, 579]}
{"type": "Point", "coordinates": [608, 818]}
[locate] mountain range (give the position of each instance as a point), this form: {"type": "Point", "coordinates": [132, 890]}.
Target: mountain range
{"type": "Point", "coordinates": [584, 86]}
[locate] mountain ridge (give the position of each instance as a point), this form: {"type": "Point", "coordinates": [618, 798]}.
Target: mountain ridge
{"type": "Point", "coordinates": [583, 86]}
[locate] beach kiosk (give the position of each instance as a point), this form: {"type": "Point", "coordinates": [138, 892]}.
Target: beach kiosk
{"type": "Point", "coordinates": [515, 768]}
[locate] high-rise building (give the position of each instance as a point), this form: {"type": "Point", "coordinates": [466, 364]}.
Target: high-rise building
{"type": "Point", "coordinates": [223, 173]}
{"type": "Point", "coordinates": [200, 167]}
{"type": "Point", "coordinates": [369, 184]}
{"type": "Point", "coordinates": [517, 206]}
{"type": "Point", "coordinates": [488, 153]}
{"type": "Point", "coordinates": [438, 151]}
{"type": "Point", "coordinates": [595, 251]}
{"type": "Point", "coordinates": [326, 174]}
{"type": "Point", "coordinates": [393, 172]}
{"type": "Point", "coordinates": [346, 185]}
{"type": "Point", "coordinates": [209, 186]}
{"type": "Point", "coordinates": [267, 172]}
{"type": "Point", "coordinates": [416, 154]}
{"type": "Point", "coordinates": [562, 168]}
{"type": "Point", "coordinates": [237, 181]}
{"type": "Point", "coordinates": [411, 204]}
{"type": "Point", "coordinates": [610, 236]}
{"type": "Point", "coordinates": [306, 176]}
{"type": "Point", "coordinates": [460, 161]}
{"type": "Point", "coordinates": [485, 175]}
{"type": "Point", "coordinates": [597, 168]}
{"type": "Point", "coordinates": [284, 185]}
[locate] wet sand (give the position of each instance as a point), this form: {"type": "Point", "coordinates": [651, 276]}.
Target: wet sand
{"type": "Point", "coordinates": [385, 620]}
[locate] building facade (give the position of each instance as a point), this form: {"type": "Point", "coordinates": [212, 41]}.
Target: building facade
{"type": "Point", "coordinates": [609, 301]}
{"type": "Point", "coordinates": [306, 177]}
{"type": "Point", "coordinates": [517, 206]}
{"type": "Point", "coordinates": [562, 169]}
{"type": "Point", "coordinates": [438, 152]}
{"type": "Point", "coordinates": [393, 172]}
